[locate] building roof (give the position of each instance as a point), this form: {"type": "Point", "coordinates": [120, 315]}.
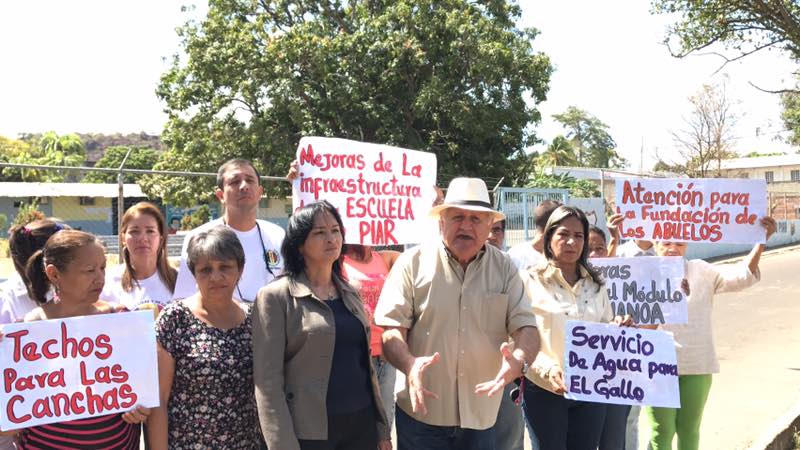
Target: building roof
{"type": "Point", "coordinates": [27, 189]}
{"type": "Point", "coordinates": [592, 173]}
{"type": "Point", "coordinates": [761, 161]}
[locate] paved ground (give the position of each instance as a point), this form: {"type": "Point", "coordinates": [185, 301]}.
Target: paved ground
{"type": "Point", "coordinates": [758, 343]}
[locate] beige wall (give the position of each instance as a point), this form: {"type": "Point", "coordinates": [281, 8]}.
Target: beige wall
{"type": "Point", "coordinates": [780, 174]}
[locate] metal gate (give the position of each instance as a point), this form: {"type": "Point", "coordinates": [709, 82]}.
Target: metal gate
{"type": "Point", "coordinates": [518, 205]}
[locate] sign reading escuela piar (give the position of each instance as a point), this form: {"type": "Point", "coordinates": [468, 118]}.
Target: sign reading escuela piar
{"type": "Point", "coordinates": [67, 369]}
{"type": "Point", "coordinates": [380, 191]}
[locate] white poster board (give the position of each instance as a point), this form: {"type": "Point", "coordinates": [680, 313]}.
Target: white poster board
{"type": "Point", "coordinates": [648, 288]}
{"type": "Point", "coordinates": [381, 192]}
{"type": "Point", "coordinates": [621, 365]}
{"type": "Point", "coordinates": [693, 209]}
{"type": "Point", "coordinates": [67, 369]}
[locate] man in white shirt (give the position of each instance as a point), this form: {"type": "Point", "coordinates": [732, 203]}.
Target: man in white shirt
{"type": "Point", "coordinates": [239, 190]}
{"type": "Point", "coordinates": [528, 254]}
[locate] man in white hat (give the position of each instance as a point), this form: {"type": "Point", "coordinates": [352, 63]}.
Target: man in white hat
{"type": "Point", "coordinates": [448, 310]}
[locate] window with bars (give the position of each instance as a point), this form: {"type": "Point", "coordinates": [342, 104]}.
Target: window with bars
{"type": "Point", "coordinates": [796, 175]}
{"type": "Point", "coordinates": [769, 176]}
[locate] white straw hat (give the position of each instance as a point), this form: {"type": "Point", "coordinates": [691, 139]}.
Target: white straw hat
{"type": "Point", "coordinates": [467, 193]}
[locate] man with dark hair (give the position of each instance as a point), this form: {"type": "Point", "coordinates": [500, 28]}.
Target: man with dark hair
{"type": "Point", "coordinates": [529, 253]}
{"type": "Point", "coordinates": [239, 190]}
{"type": "Point", "coordinates": [497, 235]}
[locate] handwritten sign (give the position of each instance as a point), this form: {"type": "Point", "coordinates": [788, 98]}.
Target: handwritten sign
{"type": "Point", "coordinates": [693, 210]}
{"type": "Point", "coordinates": [647, 288]}
{"type": "Point", "coordinates": [61, 370]}
{"type": "Point", "coordinates": [626, 366]}
{"type": "Point", "coordinates": [380, 191]}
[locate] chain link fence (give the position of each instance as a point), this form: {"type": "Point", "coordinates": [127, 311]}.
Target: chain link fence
{"type": "Point", "coordinates": [94, 207]}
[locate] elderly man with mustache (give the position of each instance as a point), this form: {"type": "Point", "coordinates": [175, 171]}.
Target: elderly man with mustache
{"type": "Point", "coordinates": [447, 311]}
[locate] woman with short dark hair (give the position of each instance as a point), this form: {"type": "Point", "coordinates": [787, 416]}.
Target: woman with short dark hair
{"type": "Point", "coordinates": [315, 385]}
{"type": "Point", "coordinates": [205, 356]}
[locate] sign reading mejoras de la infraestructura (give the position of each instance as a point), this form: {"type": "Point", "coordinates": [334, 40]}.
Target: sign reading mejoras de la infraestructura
{"type": "Point", "coordinates": [380, 191]}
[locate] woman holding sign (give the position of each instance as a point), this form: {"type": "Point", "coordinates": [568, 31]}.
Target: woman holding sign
{"type": "Point", "coordinates": [72, 265]}
{"type": "Point", "coordinates": [697, 358]}
{"type": "Point", "coordinates": [205, 356]}
{"type": "Point", "coordinates": [565, 288]}
{"type": "Point", "coordinates": [145, 279]}
{"type": "Point", "coordinates": [315, 385]}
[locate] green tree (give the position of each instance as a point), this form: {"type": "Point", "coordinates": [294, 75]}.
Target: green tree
{"type": "Point", "coordinates": [559, 153]}
{"type": "Point", "coordinates": [51, 149]}
{"type": "Point", "coordinates": [446, 76]}
{"type": "Point", "coordinates": [10, 149]}
{"type": "Point", "coordinates": [577, 188]}
{"type": "Point", "coordinates": [744, 26]}
{"type": "Point", "coordinates": [140, 158]}
{"type": "Point", "coordinates": [589, 136]}
{"type": "Point", "coordinates": [200, 216]}
{"type": "Point", "coordinates": [28, 212]}
{"type": "Point", "coordinates": [791, 116]}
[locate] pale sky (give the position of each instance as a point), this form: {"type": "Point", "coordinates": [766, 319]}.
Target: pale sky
{"type": "Point", "coordinates": [93, 66]}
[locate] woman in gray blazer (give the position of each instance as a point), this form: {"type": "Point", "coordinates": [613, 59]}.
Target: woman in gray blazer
{"type": "Point", "coordinates": [314, 381]}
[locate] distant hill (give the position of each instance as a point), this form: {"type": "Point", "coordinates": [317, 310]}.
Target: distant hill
{"type": "Point", "coordinates": [97, 143]}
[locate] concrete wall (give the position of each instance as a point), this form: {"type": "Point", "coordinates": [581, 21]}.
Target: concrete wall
{"type": "Point", "coordinates": [90, 218]}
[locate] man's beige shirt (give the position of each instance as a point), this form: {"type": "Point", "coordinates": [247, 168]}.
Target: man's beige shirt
{"type": "Point", "coordinates": [463, 315]}
{"type": "Point", "coordinates": [554, 303]}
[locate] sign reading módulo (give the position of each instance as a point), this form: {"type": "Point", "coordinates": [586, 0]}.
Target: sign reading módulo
{"type": "Point", "coordinates": [647, 288]}
{"type": "Point", "coordinates": [622, 365]}
{"type": "Point", "coordinates": [381, 192]}
{"type": "Point", "coordinates": [693, 210]}
{"type": "Point", "coordinates": [67, 369]}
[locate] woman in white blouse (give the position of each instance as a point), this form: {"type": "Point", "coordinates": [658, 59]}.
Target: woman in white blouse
{"type": "Point", "coordinates": [694, 343]}
{"type": "Point", "coordinates": [145, 279]}
{"type": "Point", "coordinates": [564, 288]}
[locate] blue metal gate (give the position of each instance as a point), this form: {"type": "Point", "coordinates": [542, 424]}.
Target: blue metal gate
{"type": "Point", "coordinates": [518, 205]}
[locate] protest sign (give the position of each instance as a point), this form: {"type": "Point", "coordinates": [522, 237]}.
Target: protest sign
{"type": "Point", "coordinates": [647, 288]}
{"type": "Point", "coordinates": [67, 369]}
{"type": "Point", "coordinates": [380, 191]}
{"type": "Point", "coordinates": [626, 366]}
{"type": "Point", "coordinates": [693, 210]}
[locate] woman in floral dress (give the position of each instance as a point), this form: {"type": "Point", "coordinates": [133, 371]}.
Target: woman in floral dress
{"type": "Point", "coordinates": [205, 358]}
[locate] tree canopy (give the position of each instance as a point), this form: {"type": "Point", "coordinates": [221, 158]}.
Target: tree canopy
{"type": "Point", "coordinates": [49, 149]}
{"type": "Point", "coordinates": [140, 158]}
{"type": "Point", "coordinates": [745, 26]}
{"type": "Point", "coordinates": [590, 139]}
{"type": "Point", "coordinates": [446, 76]}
